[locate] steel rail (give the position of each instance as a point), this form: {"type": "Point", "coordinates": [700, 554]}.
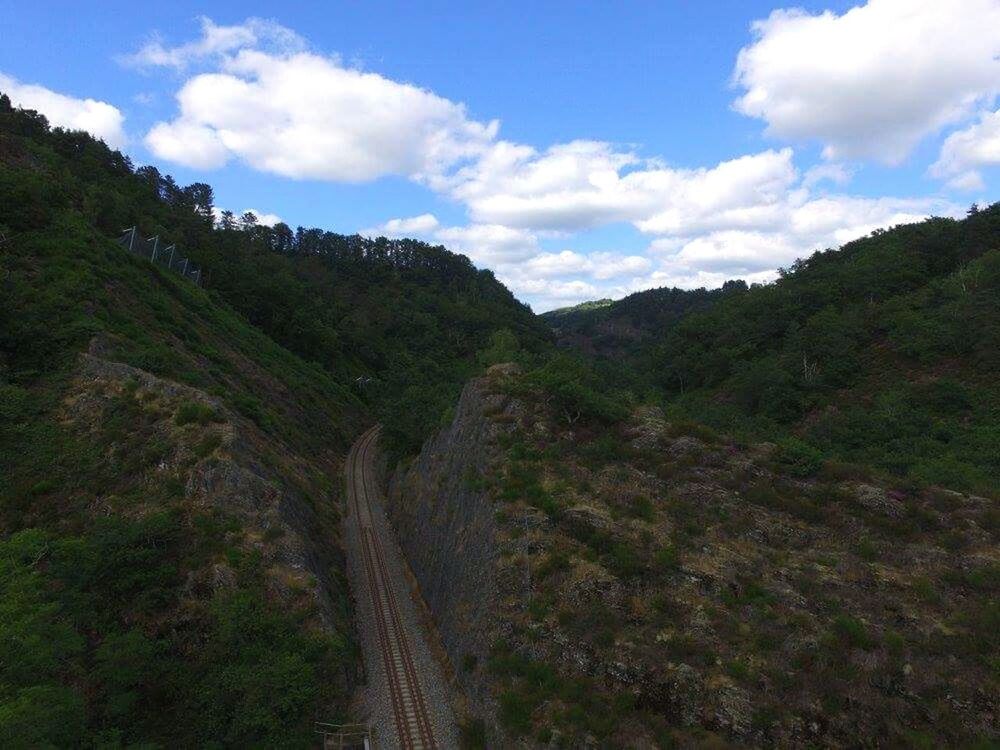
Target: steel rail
{"type": "Point", "coordinates": [412, 721]}
{"type": "Point", "coordinates": [424, 725]}
{"type": "Point", "coordinates": [395, 693]}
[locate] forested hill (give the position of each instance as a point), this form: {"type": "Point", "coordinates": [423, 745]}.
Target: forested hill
{"type": "Point", "coordinates": [883, 352]}
{"type": "Point", "coordinates": [405, 317]}
{"type": "Point", "coordinates": [609, 328]}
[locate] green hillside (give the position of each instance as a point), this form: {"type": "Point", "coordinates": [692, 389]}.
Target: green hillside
{"type": "Point", "coordinates": [881, 353]}
{"type": "Point", "coordinates": [170, 472]}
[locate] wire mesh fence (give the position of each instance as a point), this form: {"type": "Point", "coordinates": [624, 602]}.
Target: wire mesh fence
{"type": "Point", "coordinates": [155, 250]}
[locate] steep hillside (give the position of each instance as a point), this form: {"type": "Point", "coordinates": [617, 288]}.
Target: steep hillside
{"type": "Point", "coordinates": [169, 561]}
{"type": "Point", "coordinates": [403, 318]}
{"type": "Point", "coordinates": [881, 353]}
{"type": "Point", "coordinates": [170, 456]}
{"type": "Point", "coordinates": [610, 579]}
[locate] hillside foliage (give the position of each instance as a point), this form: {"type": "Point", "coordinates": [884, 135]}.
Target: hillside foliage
{"type": "Point", "coordinates": [881, 353]}
{"type": "Point", "coordinates": [398, 321]}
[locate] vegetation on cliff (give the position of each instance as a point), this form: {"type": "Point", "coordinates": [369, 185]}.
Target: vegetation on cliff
{"type": "Point", "coordinates": [662, 584]}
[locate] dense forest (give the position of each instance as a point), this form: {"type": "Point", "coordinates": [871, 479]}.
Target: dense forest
{"type": "Point", "coordinates": [607, 327]}
{"type": "Point", "coordinates": [879, 353]}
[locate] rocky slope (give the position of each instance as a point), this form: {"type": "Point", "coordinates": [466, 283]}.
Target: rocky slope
{"type": "Point", "coordinates": [170, 560]}
{"type": "Point", "coordinates": [642, 583]}
{"type": "Point", "coordinates": [224, 467]}
{"type": "Point", "coordinates": [446, 525]}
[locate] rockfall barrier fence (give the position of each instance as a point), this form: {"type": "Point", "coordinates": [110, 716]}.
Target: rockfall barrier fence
{"type": "Point", "coordinates": [156, 251]}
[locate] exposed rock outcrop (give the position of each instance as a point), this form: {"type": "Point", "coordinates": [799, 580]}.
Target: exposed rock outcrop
{"type": "Point", "coordinates": [445, 523]}
{"type": "Point", "coordinates": [226, 465]}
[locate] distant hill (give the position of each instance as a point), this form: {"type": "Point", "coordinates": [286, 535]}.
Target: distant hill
{"type": "Point", "coordinates": [610, 328]}
{"type": "Point", "coordinates": [882, 352]}
{"type": "Point", "coordinates": [581, 310]}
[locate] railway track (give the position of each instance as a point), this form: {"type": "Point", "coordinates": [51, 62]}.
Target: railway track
{"type": "Point", "coordinates": [412, 721]}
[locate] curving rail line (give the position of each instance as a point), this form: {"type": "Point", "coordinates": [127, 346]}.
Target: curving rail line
{"type": "Point", "coordinates": [413, 725]}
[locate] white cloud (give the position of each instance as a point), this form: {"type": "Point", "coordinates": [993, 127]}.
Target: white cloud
{"type": "Point", "coordinates": [583, 184]}
{"type": "Point", "coordinates": [873, 81]}
{"type": "Point", "coordinates": [966, 151]}
{"type": "Point", "coordinates": [218, 40]}
{"type": "Point", "coordinates": [263, 217]}
{"type": "Point", "coordinates": [839, 174]}
{"type": "Point", "coordinates": [806, 226]}
{"type": "Point", "coordinates": [600, 266]}
{"type": "Point", "coordinates": [967, 182]}
{"type": "Point", "coordinates": [569, 186]}
{"type": "Point", "coordinates": [547, 294]}
{"type": "Point", "coordinates": [741, 193]}
{"type": "Point", "coordinates": [490, 244]}
{"type": "Point", "coordinates": [100, 119]}
{"type": "Point", "coordinates": [414, 226]}
{"type": "Point", "coordinates": [188, 144]}
{"type": "Point", "coordinates": [304, 115]}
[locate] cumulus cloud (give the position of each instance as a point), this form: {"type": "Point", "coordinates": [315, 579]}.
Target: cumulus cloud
{"type": "Point", "coordinates": [218, 40]}
{"type": "Point", "coordinates": [293, 112]}
{"type": "Point", "coordinates": [414, 226]}
{"type": "Point", "coordinates": [100, 119]}
{"type": "Point", "coordinates": [807, 225]}
{"type": "Point", "coordinates": [304, 115]}
{"type": "Point", "coordinates": [583, 184]}
{"type": "Point", "coordinates": [839, 174]}
{"type": "Point", "coordinates": [490, 244]}
{"type": "Point", "coordinates": [966, 151]}
{"type": "Point", "coordinates": [600, 265]}
{"type": "Point", "coordinates": [188, 144]}
{"type": "Point", "coordinates": [873, 81]}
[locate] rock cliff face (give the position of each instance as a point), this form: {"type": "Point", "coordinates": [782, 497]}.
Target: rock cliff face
{"type": "Point", "coordinates": [231, 470]}
{"type": "Point", "coordinates": [446, 525]}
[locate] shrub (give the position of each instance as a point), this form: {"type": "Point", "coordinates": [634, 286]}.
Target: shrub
{"type": "Point", "coordinates": [798, 458]}
{"type": "Point", "coordinates": [571, 390]}
{"type": "Point", "coordinates": [851, 632]}
{"type": "Point", "coordinates": [666, 558]}
{"type": "Point", "coordinates": [194, 412]}
{"type": "Point", "coordinates": [641, 507]}
{"type": "Point", "coordinates": [472, 734]}
{"type": "Point", "coordinates": [515, 711]}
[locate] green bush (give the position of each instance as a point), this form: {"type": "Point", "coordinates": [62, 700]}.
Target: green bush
{"type": "Point", "coordinates": [195, 412]}
{"type": "Point", "coordinates": [667, 558]}
{"type": "Point", "coordinates": [798, 458]}
{"type": "Point", "coordinates": [851, 632]}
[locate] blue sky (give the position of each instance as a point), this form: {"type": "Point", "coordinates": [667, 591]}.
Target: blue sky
{"type": "Point", "coordinates": [578, 151]}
